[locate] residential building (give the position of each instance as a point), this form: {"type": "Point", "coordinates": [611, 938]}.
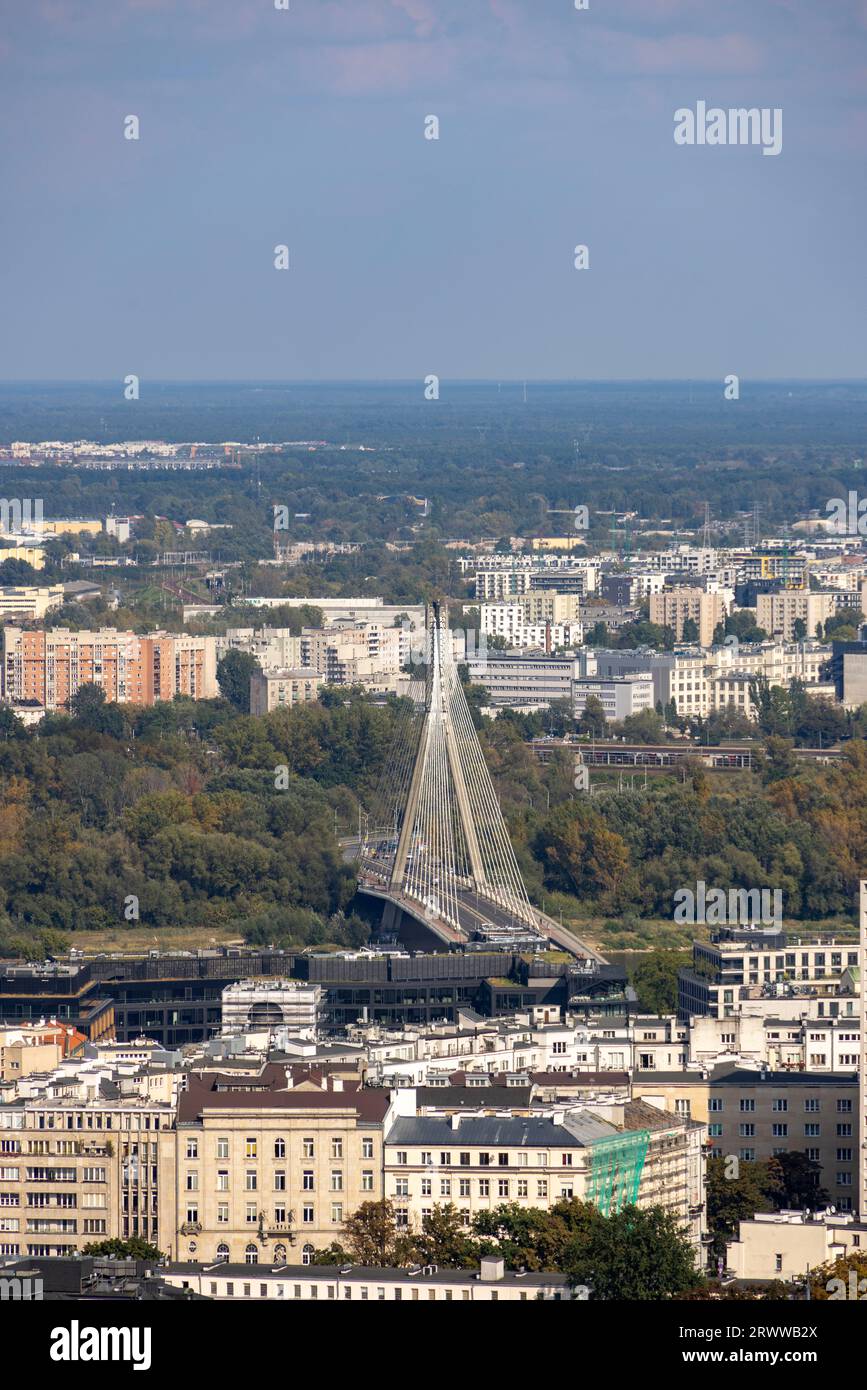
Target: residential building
{"type": "Point", "coordinates": [777, 613]}
{"type": "Point", "coordinates": [263, 1164]}
{"type": "Point", "coordinates": [47, 668]}
{"type": "Point", "coordinates": [675, 607]}
{"type": "Point", "coordinates": [270, 690]}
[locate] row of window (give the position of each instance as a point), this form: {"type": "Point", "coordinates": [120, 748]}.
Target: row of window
{"type": "Point", "coordinates": [812, 1105]}
{"type": "Point", "coordinates": [781, 1131]}
{"type": "Point", "coordinates": [485, 1160]}
{"type": "Point", "coordinates": [251, 1180]}
{"type": "Point", "coordinates": [462, 1187]}
{"type": "Point", "coordinates": [251, 1147]}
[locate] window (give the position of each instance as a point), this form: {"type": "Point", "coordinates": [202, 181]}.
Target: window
{"type": "Point", "coordinates": [715, 1104]}
{"type": "Point", "coordinates": [367, 1148]}
{"type": "Point", "coordinates": [503, 1187]}
{"type": "Point", "coordinates": [811, 1106]}
{"type": "Point", "coordinates": [337, 1148]}
{"type": "Point", "coordinates": [252, 1214]}
{"type": "Point", "coordinates": [747, 1131]}
{"type": "Point", "coordinates": [747, 1104]}
{"type": "Point", "coordinates": [401, 1187]}
{"type": "Point", "coordinates": [844, 1107]}
{"type": "Point", "coordinates": [192, 1182]}
{"type": "Point", "coordinates": [222, 1180]}
{"type": "Point", "coordinates": [307, 1255]}
{"type": "Point", "coordinates": [250, 1148]}
{"type": "Point", "coordinates": [222, 1252]}
{"type": "Point", "coordinates": [250, 1180]}
{"type": "Point", "coordinates": [445, 1187]}
{"type": "Point", "coordinates": [222, 1213]}
{"type": "Point", "coordinates": [400, 1158]}
{"type": "Point", "coordinates": [307, 1216]}
{"type": "Point", "coordinates": [307, 1180]}
{"type": "Point", "coordinates": [280, 1180]}
{"type": "Point", "coordinates": [812, 1131]}
{"type": "Point", "coordinates": [523, 1187]}
{"type": "Point", "coordinates": [367, 1182]}
{"type": "Point", "coordinates": [780, 1131]}
{"type": "Point", "coordinates": [542, 1187]}
{"type": "Point", "coordinates": [464, 1160]}
{"type": "Point", "coordinates": [251, 1257]}
{"type": "Point", "coordinates": [336, 1180]}
{"type": "Point", "coordinates": [426, 1187]}
{"type": "Point", "coordinates": [279, 1148]}
{"type": "Point", "coordinates": [192, 1148]}
{"type": "Point", "coordinates": [844, 1131]}
{"type": "Point", "coordinates": [484, 1187]}
{"type": "Point", "coordinates": [780, 1104]}
{"type": "Point", "coordinates": [223, 1147]}
{"type": "Point", "coordinates": [307, 1148]}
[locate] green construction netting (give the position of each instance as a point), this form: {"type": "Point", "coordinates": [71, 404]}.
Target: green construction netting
{"type": "Point", "coordinates": [615, 1170]}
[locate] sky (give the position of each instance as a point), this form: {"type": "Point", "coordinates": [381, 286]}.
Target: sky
{"type": "Point", "coordinates": [409, 256]}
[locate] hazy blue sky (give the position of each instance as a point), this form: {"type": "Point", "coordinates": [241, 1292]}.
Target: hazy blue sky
{"type": "Point", "coordinates": [412, 256]}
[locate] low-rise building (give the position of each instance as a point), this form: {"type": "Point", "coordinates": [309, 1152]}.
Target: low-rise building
{"type": "Point", "coordinates": [270, 690]}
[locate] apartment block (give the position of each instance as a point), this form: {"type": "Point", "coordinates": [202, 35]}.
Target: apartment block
{"type": "Point", "coordinates": [778, 613]}
{"type": "Point", "coordinates": [674, 607]}
{"type": "Point", "coordinates": [268, 1161]}
{"type": "Point", "coordinates": [47, 668]}
{"type": "Point", "coordinates": [739, 966]}
{"type": "Point", "coordinates": [270, 690]}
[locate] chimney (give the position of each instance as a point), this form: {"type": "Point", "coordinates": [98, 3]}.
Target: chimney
{"type": "Point", "coordinates": [455, 1121]}
{"type": "Point", "coordinates": [492, 1269]}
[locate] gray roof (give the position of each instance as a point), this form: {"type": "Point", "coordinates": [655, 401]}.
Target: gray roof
{"type": "Point", "coordinates": [360, 1274]}
{"type": "Point", "coordinates": [515, 1132]}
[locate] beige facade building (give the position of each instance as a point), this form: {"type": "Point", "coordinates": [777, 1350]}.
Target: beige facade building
{"type": "Point", "coordinates": [28, 600]}
{"type": "Point", "coordinates": [778, 613]}
{"type": "Point", "coordinates": [673, 607]}
{"type": "Point", "coordinates": [271, 1162]}
{"type": "Point", "coordinates": [80, 1170]}
{"type": "Point", "coordinates": [270, 690]}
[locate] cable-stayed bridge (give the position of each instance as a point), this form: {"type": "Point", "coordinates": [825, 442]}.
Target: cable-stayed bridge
{"type": "Point", "coordinates": [435, 846]}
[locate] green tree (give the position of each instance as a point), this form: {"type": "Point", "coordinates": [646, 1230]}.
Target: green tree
{"type": "Point", "coordinates": [132, 1248]}
{"type": "Point", "coordinates": [593, 719]}
{"type": "Point", "coordinates": [444, 1241]}
{"type": "Point", "coordinates": [371, 1237]}
{"type": "Point", "coordinates": [634, 1254]}
{"type": "Point", "coordinates": [735, 1191]}
{"type": "Point", "coordinates": [655, 981]}
{"type": "Point", "coordinates": [233, 677]}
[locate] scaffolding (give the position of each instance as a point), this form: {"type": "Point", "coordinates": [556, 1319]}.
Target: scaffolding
{"type": "Point", "coordinates": [616, 1166]}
